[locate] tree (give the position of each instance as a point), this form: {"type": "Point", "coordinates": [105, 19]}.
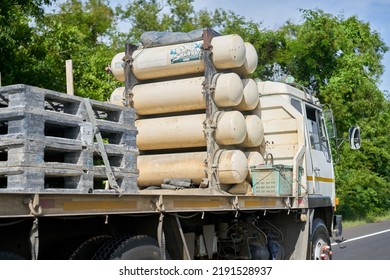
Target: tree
{"type": "Point", "coordinates": [340, 59]}
{"type": "Point", "coordinates": [150, 15]}
{"type": "Point", "coordinates": [79, 31]}
{"type": "Point", "coordinates": [267, 43]}
{"type": "Point", "coordinates": [15, 35]}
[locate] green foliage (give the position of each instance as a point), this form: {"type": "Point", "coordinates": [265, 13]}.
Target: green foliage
{"type": "Point", "coordinates": [93, 19]}
{"type": "Point", "coordinates": [79, 31]}
{"type": "Point", "coordinates": [363, 194]}
{"type": "Point", "coordinates": [309, 50]}
{"type": "Point", "coordinates": [143, 15]}
{"type": "Point", "coordinates": [91, 79]}
{"type": "Point", "coordinates": [15, 35]}
{"type": "Point", "coordinates": [181, 15]}
{"type": "Point", "coordinates": [324, 44]}
{"type": "Point", "coordinates": [267, 43]}
{"type": "Point", "coordinates": [149, 15]}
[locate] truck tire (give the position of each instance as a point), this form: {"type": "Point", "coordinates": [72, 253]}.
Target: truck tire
{"type": "Point", "coordinates": [141, 247]}
{"type": "Point", "coordinates": [320, 241]}
{"type": "Point", "coordinates": [87, 249]}
{"type": "Point", "coordinates": [108, 247]}
{"type": "Point", "coordinates": [4, 255]}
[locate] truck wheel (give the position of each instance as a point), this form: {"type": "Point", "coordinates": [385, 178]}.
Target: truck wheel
{"type": "Point", "coordinates": [4, 255]}
{"type": "Point", "coordinates": [107, 248]}
{"type": "Point", "coordinates": [87, 249]}
{"type": "Point", "coordinates": [320, 241]}
{"type": "Point", "coordinates": [141, 247]}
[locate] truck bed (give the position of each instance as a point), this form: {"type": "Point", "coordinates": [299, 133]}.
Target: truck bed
{"type": "Point", "coordinates": [54, 204]}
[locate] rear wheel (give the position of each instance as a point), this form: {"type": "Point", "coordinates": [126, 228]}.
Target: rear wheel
{"type": "Point", "coordinates": [141, 247]}
{"type": "Point", "coordinates": [87, 249]}
{"type": "Point", "coordinates": [320, 241]}
{"type": "Point", "coordinates": [108, 247]}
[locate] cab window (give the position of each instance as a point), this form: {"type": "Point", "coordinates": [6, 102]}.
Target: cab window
{"type": "Point", "coordinates": [317, 131]}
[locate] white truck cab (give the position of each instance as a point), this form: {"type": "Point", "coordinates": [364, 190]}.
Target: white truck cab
{"type": "Point", "coordinates": [295, 134]}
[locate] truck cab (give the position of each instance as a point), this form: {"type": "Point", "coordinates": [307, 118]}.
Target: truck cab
{"type": "Point", "coordinates": [295, 134]}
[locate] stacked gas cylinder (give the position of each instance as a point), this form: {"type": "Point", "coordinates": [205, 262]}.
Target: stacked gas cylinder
{"type": "Point", "coordinates": [170, 102]}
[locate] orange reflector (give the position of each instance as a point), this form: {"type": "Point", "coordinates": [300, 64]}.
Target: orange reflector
{"type": "Point", "coordinates": [99, 205]}
{"type": "Point", "coordinates": [196, 204]}
{"type": "Point", "coordinates": [260, 203]}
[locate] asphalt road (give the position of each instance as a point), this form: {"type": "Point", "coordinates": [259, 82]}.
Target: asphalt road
{"type": "Point", "coordinates": [364, 242]}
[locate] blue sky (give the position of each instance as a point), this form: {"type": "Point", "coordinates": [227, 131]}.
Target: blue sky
{"type": "Point", "coordinates": [272, 14]}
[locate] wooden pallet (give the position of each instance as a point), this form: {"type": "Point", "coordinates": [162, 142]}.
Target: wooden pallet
{"type": "Point", "coordinates": [47, 141]}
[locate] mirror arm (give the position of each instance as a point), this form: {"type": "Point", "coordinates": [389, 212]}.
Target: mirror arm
{"type": "Point", "coordinates": [340, 143]}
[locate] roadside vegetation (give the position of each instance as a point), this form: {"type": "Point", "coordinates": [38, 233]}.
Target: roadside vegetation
{"type": "Point", "coordinates": [367, 220]}
{"type": "Point", "coordinates": [336, 57]}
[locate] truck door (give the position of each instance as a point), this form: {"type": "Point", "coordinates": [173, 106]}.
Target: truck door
{"type": "Point", "coordinates": [320, 174]}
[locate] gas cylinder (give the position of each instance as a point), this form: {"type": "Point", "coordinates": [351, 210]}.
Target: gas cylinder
{"type": "Point", "coordinates": [251, 96]}
{"type": "Point", "coordinates": [182, 95]}
{"type": "Point", "coordinates": [181, 59]}
{"type": "Point", "coordinates": [232, 167]}
{"type": "Point", "coordinates": [254, 132]}
{"type": "Point", "coordinates": [254, 159]}
{"type": "Point", "coordinates": [250, 62]}
{"type": "Point", "coordinates": [187, 131]}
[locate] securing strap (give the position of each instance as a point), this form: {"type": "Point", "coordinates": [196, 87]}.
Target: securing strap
{"type": "Point", "coordinates": [102, 150]}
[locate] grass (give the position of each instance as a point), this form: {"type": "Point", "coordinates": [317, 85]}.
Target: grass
{"type": "Point", "coordinates": [352, 223]}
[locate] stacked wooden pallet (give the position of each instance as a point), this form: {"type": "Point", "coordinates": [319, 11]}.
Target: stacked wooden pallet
{"type": "Point", "coordinates": [48, 143]}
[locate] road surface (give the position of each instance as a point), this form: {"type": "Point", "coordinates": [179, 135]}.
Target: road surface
{"type": "Point", "coordinates": [364, 242]}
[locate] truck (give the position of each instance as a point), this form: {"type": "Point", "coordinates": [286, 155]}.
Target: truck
{"type": "Point", "coordinates": [190, 159]}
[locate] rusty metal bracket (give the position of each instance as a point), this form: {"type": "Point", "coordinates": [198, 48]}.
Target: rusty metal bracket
{"type": "Point", "coordinates": [130, 79]}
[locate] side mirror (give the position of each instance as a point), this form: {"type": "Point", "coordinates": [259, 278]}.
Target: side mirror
{"type": "Point", "coordinates": [354, 138]}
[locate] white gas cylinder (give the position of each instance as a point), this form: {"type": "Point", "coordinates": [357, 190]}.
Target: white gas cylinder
{"type": "Point", "coordinates": [181, 59]}
{"type": "Point", "coordinates": [232, 167]}
{"type": "Point", "coordinates": [187, 131]}
{"type": "Point", "coordinates": [251, 61]}
{"type": "Point", "coordinates": [181, 95]}
{"type": "Point", "coordinates": [251, 96]}
{"type": "Point", "coordinates": [254, 159]}
{"type": "Point", "coordinates": [254, 131]}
